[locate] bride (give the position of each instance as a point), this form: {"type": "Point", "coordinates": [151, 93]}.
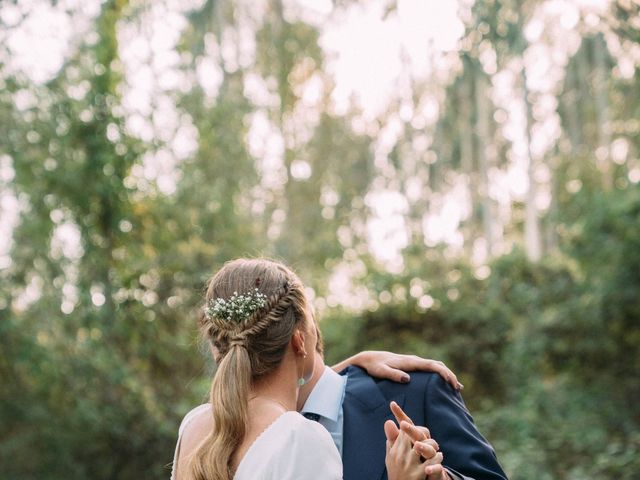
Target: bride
{"type": "Point", "coordinates": [260, 325]}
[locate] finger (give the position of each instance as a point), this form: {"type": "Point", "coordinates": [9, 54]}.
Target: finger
{"type": "Point", "coordinates": [393, 374]}
{"type": "Point", "coordinates": [428, 365]}
{"type": "Point", "coordinates": [425, 430]}
{"type": "Point", "coordinates": [435, 459]}
{"type": "Point", "coordinates": [416, 434]}
{"type": "Point", "coordinates": [425, 450]}
{"type": "Point", "coordinates": [391, 431]}
{"type": "Point", "coordinates": [403, 443]}
{"type": "Point", "coordinates": [431, 442]}
{"type": "Point", "coordinates": [434, 472]}
{"type": "Point", "coordinates": [399, 414]}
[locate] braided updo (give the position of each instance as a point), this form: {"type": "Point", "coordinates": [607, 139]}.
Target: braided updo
{"type": "Point", "coordinates": [246, 348]}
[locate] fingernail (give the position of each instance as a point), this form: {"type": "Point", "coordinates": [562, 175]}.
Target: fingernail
{"type": "Point", "coordinates": [460, 386]}
{"type": "Point", "coordinates": [405, 378]}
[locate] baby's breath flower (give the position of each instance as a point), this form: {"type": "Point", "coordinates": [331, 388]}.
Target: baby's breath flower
{"type": "Point", "coordinates": [237, 308]}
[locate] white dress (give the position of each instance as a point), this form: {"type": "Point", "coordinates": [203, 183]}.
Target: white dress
{"type": "Point", "coordinates": [291, 448]}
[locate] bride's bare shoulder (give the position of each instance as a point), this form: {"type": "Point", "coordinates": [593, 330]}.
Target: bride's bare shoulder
{"type": "Point", "coordinates": [195, 427]}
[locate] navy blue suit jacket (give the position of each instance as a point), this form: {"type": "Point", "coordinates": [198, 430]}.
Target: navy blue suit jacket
{"type": "Point", "coordinates": [430, 402]}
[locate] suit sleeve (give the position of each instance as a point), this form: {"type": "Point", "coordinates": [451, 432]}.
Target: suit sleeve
{"type": "Point", "coordinates": [465, 451]}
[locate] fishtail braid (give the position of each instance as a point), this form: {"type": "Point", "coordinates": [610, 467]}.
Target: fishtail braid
{"type": "Point", "coordinates": [276, 305]}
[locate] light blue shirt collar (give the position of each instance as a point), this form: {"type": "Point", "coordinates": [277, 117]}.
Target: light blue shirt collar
{"type": "Point", "coordinates": [327, 395]}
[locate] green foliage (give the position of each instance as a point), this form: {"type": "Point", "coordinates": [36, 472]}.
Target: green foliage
{"type": "Point", "coordinates": [99, 357]}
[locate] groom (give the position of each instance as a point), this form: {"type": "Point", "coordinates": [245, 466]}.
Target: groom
{"type": "Point", "coordinates": [353, 406]}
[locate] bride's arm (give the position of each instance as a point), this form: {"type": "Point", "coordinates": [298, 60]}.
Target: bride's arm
{"type": "Point", "coordinates": [394, 366]}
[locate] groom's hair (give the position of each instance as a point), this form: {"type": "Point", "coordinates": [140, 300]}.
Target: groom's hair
{"type": "Point", "coordinates": [320, 343]}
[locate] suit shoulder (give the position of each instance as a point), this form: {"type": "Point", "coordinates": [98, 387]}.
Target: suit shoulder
{"type": "Point", "coordinates": [430, 380]}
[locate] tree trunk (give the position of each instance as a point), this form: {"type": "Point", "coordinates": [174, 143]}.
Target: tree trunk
{"type": "Point", "coordinates": [572, 110]}
{"type": "Point", "coordinates": [532, 240]}
{"type": "Point", "coordinates": [532, 236]}
{"type": "Point", "coordinates": [551, 234]}
{"type": "Point", "coordinates": [483, 137]}
{"type": "Point", "coordinates": [465, 129]}
{"type": "Point", "coordinates": [603, 157]}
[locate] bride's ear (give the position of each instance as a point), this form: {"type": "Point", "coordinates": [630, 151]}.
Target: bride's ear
{"type": "Point", "coordinates": [297, 342]}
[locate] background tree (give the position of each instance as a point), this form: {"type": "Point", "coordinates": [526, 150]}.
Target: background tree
{"type": "Point", "coordinates": [485, 213]}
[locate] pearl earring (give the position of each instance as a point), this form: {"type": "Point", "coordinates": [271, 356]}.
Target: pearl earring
{"type": "Point", "coordinates": [301, 380]}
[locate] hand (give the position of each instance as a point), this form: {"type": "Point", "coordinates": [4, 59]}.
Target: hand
{"type": "Point", "coordinates": [433, 469]}
{"type": "Point", "coordinates": [393, 366]}
{"type": "Point", "coordinates": [402, 461]}
{"type": "Point", "coordinates": [426, 447]}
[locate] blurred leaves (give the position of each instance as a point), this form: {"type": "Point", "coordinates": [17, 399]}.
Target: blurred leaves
{"type": "Point", "coordinates": [99, 351]}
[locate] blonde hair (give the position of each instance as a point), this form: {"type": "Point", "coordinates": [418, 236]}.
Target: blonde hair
{"type": "Point", "coordinates": [246, 351]}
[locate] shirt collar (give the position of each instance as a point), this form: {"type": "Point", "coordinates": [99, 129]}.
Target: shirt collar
{"type": "Point", "coordinates": [326, 397]}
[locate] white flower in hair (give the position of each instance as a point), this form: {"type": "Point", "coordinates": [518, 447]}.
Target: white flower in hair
{"type": "Point", "coordinates": [237, 308]}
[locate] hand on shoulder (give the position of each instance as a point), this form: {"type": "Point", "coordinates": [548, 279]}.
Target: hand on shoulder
{"type": "Point", "coordinates": [393, 366]}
